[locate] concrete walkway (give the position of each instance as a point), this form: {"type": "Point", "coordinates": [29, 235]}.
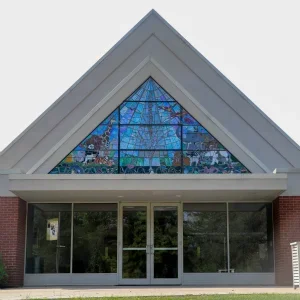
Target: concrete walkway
{"type": "Point", "coordinates": [68, 292]}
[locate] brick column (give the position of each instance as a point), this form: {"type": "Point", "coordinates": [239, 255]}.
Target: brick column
{"type": "Point", "coordinates": [286, 214]}
{"type": "Point", "coordinates": [12, 237]}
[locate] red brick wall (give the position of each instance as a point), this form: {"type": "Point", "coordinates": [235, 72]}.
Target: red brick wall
{"type": "Point", "coordinates": [286, 212]}
{"type": "Point", "coordinates": [12, 237]}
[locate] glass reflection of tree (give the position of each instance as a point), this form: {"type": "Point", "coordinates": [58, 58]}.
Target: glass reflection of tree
{"type": "Point", "coordinates": [165, 229]}
{"type": "Point", "coordinates": [95, 242]}
{"type": "Point", "coordinates": [134, 236]}
{"type": "Point", "coordinates": [249, 251]}
{"type": "Point", "coordinates": [204, 241]}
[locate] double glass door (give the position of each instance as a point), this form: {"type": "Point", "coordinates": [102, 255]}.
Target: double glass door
{"type": "Point", "coordinates": [150, 244]}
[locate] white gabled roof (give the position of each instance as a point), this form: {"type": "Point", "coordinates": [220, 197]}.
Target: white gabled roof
{"type": "Point", "coordinates": [231, 114]}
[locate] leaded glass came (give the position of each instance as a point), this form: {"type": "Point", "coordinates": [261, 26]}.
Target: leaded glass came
{"type": "Point", "coordinates": [149, 133]}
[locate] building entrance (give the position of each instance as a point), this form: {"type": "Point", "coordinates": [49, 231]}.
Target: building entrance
{"type": "Point", "coordinates": [150, 244]}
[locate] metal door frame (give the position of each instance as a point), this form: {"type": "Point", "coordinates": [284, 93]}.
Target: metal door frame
{"type": "Point", "coordinates": [149, 245]}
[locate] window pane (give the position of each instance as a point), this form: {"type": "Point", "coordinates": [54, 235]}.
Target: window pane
{"type": "Point", "coordinates": [149, 162]}
{"type": "Point", "coordinates": [48, 238]}
{"type": "Point", "coordinates": [165, 227]}
{"type": "Point", "coordinates": [95, 238]}
{"type": "Point", "coordinates": [134, 227]}
{"type": "Point", "coordinates": [150, 137]}
{"type": "Point", "coordinates": [210, 162]}
{"type": "Point", "coordinates": [165, 264]}
{"type": "Point", "coordinates": [134, 264]}
{"type": "Point", "coordinates": [163, 113]}
{"type": "Point", "coordinates": [251, 237]}
{"type": "Point", "coordinates": [197, 138]}
{"type": "Point", "coordinates": [204, 238]}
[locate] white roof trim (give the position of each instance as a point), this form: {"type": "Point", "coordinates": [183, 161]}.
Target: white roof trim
{"type": "Point", "coordinates": [95, 188]}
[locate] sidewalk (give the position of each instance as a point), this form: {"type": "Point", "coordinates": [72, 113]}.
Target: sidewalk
{"type": "Point", "coordinates": [89, 291]}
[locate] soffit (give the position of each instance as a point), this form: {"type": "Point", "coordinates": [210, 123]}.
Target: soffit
{"type": "Point", "coordinates": [113, 188]}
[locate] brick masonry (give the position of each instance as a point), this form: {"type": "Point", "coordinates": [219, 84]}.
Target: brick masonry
{"type": "Point", "coordinates": [12, 237]}
{"type": "Point", "coordinates": [286, 214]}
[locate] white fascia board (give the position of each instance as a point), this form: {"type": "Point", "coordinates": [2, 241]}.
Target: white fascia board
{"type": "Point", "coordinates": [76, 182]}
{"type": "Point", "coordinates": [293, 181]}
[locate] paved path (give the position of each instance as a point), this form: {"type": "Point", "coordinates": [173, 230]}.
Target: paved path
{"type": "Point", "coordinates": [67, 292]}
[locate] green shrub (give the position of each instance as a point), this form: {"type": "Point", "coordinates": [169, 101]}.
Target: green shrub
{"type": "Point", "coordinates": [3, 274]}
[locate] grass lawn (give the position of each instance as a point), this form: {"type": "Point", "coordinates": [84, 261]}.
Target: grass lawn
{"type": "Point", "coordinates": [204, 297]}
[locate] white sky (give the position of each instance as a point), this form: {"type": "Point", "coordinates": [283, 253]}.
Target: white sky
{"type": "Point", "coordinates": [46, 46]}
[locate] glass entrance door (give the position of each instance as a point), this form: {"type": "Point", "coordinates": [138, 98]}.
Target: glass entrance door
{"type": "Point", "coordinates": [149, 244]}
{"type": "Point", "coordinates": [165, 244]}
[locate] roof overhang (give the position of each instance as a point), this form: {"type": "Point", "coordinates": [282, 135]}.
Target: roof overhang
{"type": "Point", "coordinates": [142, 187]}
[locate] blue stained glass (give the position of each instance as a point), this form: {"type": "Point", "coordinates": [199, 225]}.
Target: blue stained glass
{"type": "Point", "coordinates": [149, 133]}
{"type": "Point", "coordinates": [187, 119]}
{"type": "Point", "coordinates": [150, 113]}
{"type": "Point", "coordinates": [103, 137]}
{"type": "Point", "coordinates": [150, 91]}
{"type": "Point", "coordinates": [150, 137]}
{"type": "Point", "coordinates": [197, 138]}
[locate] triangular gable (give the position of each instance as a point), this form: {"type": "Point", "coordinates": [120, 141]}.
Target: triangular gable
{"type": "Point", "coordinates": [150, 132]}
{"type": "Point", "coordinates": [256, 138]}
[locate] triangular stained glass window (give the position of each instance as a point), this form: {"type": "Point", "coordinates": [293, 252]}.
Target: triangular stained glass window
{"type": "Point", "coordinates": [149, 133]}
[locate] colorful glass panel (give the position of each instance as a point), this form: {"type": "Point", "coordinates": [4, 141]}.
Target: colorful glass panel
{"type": "Point", "coordinates": [150, 113]}
{"type": "Point", "coordinates": [150, 162]}
{"type": "Point", "coordinates": [197, 138]}
{"type": "Point", "coordinates": [211, 162]}
{"type": "Point", "coordinates": [150, 91]}
{"type": "Point", "coordinates": [150, 137]}
{"type": "Point", "coordinates": [149, 133]}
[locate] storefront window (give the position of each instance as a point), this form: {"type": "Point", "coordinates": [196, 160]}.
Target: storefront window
{"type": "Point", "coordinates": [48, 238]}
{"type": "Point", "coordinates": [205, 238]}
{"type": "Point", "coordinates": [251, 241]}
{"type": "Point", "coordinates": [95, 238]}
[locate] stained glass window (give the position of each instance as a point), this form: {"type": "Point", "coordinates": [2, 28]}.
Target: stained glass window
{"type": "Point", "coordinates": [149, 133]}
